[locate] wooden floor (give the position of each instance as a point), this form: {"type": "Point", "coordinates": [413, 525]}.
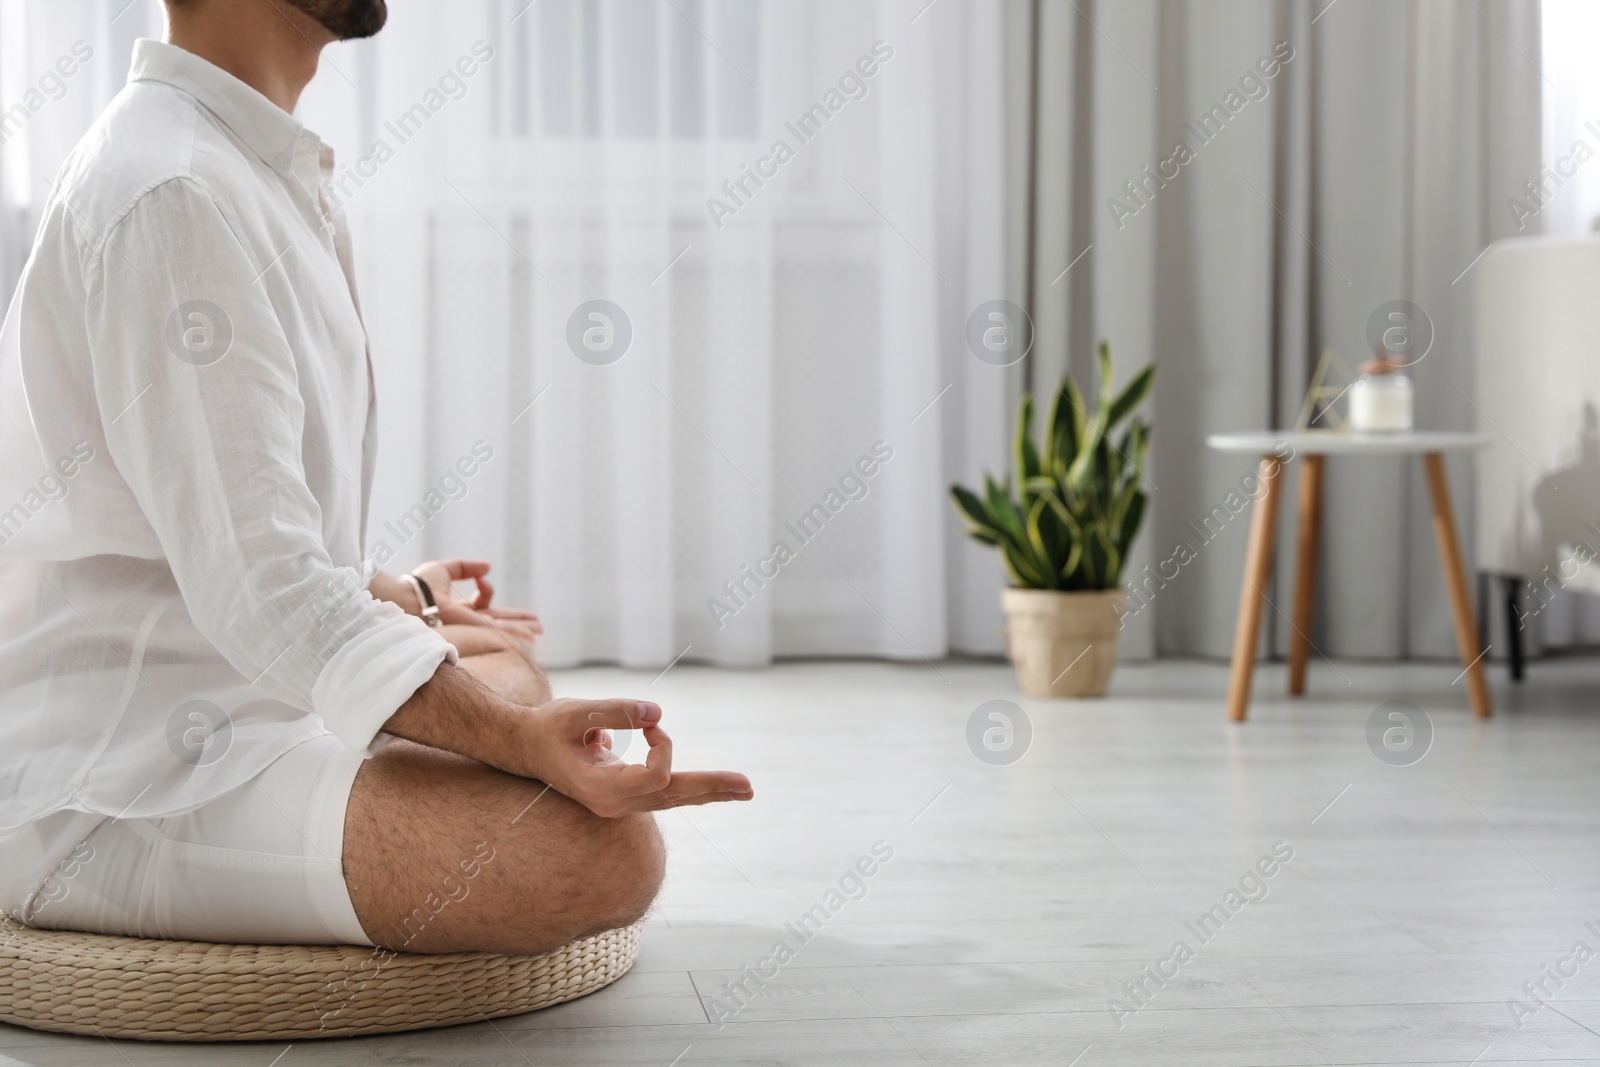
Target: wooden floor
{"type": "Point", "coordinates": [1021, 901]}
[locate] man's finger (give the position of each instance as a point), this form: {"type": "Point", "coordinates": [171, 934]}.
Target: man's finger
{"type": "Point", "coordinates": [633, 781]}
{"type": "Point", "coordinates": [659, 761]}
{"type": "Point", "coordinates": [524, 629]}
{"type": "Point", "coordinates": [615, 714]}
{"type": "Point", "coordinates": [710, 798]}
{"type": "Point", "coordinates": [699, 787]}
{"type": "Point", "coordinates": [682, 786]}
{"type": "Point", "coordinates": [598, 742]}
{"type": "Point", "coordinates": [462, 569]}
{"type": "Point", "coordinates": [694, 783]}
{"type": "Point", "coordinates": [517, 630]}
{"type": "Point", "coordinates": [660, 802]}
{"type": "Point", "coordinates": [514, 613]}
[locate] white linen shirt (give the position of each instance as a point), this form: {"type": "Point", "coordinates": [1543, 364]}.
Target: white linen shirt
{"type": "Point", "coordinates": [186, 454]}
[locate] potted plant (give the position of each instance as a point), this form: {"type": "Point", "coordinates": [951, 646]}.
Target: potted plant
{"type": "Point", "coordinates": [1064, 531]}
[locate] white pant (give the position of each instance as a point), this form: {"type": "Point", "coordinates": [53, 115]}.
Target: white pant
{"type": "Point", "coordinates": [259, 865]}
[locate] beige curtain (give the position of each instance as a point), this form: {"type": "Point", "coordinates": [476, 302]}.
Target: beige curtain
{"type": "Point", "coordinates": [1339, 155]}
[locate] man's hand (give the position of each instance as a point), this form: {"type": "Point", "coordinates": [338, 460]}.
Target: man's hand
{"type": "Point", "coordinates": [517, 623]}
{"type": "Point", "coordinates": [569, 747]}
{"type": "Point", "coordinates": [565, 743]}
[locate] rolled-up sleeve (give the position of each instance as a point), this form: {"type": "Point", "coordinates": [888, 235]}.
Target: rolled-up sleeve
{"type": "Point", "coordinates": [200, 397]}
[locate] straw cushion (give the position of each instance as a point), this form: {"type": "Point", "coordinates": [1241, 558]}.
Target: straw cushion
{"type": "Point", "coordinates": [194, 991]}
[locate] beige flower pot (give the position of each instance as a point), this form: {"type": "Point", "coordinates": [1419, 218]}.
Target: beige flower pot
{"type": "Point", "coordinates": [1063, 644]}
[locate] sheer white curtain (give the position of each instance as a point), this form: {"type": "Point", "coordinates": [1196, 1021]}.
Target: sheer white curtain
{"type": "Point", "coordinates": [1568, 204]}
{"type": "Point", "coordinates": [782, 351]}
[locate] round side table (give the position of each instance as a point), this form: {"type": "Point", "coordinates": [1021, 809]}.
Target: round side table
{"type": "Point", "coordinates": [1316, 446]}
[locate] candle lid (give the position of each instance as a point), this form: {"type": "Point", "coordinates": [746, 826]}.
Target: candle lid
{"type": "Point", "coordinates": [1380, 363]}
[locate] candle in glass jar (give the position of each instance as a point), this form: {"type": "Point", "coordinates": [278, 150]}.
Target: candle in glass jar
{"type": "Point", "coordinates": [1380, 400]}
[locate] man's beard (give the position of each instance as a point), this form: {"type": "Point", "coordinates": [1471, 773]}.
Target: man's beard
{"type": "Point", "coordinates": [346, 19]}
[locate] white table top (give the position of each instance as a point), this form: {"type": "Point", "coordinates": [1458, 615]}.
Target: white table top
{"type": "Point", "coordinates": [1328, 442]}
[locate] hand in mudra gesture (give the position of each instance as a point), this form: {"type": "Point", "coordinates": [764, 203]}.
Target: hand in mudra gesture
{"type": "Point", "coordinates": [570, 749]}
{"type": "Point", "coordinates": [518, 623]}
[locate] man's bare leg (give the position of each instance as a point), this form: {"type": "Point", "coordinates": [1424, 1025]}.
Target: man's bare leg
{"type": "Point", "coordinates": [445, 854]}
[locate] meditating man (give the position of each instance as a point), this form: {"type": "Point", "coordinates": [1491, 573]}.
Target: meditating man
{"type": "Point", "coordinates": [216, 721]}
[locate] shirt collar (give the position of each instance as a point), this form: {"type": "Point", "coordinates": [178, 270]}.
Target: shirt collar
{"type": "Point", "coordinates": [265, 128]}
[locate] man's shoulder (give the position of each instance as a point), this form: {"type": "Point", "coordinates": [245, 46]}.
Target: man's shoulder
{"type": "Point", "coordinates": [150, 135]}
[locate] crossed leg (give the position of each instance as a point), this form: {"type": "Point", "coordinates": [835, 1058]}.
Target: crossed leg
{"type": "Point", "coordinates": [445, 854]}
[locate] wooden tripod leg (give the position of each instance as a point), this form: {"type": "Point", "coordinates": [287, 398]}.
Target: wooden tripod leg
{"type": "Point", "coordinates": [1305, 571]}
{"type": "Point", "coordinates": [1253, 593]}
{"type": "Point", "coordinates": [1455, 580]}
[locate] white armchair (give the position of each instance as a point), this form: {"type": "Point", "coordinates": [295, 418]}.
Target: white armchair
{"type": "Point", "coordinates": [1538, 391]}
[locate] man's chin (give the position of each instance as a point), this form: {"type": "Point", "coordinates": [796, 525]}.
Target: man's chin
{"type": "Point", "coordinates": [346, 19]}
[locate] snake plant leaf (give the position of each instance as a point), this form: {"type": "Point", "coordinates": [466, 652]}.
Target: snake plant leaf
{"type": "Point", "coordinates": [979, 526]}
{"type": "Point", "coordinates": [1036, 539]}
{"type": "Point", "coordinates": [1131, 519]}
{"type": "Point", "coordinates": [1069, 570]}
{"type": "Point", "coordinates": [1107, 560]}
{"type": "Point", "coordinates": [1102, 358]}
{"type": "Point", "coordinates": [1066, 428]}
{"type": "Point", "coordinates": [1132, 395]}
{"type": "Point", "coordinates": [1023, 570]}
{"type": "Point", "coordinates": [1089, 568]}
{"type": "Point", "coordinates": [1043, 485]}
{"type": "Point", "coordinates": [1083, 463]}
{"type": "Point", "coordinates": [1116, 461]}
{"type": "Point", "coordinates": [1135, 444]}
{"type": "Point", "coordinates": [1139, 450]}
{"type": "Point", "coordinates": [1025, 455]}
{"type": "Point", "coordinates": [970, 506]}
{"type": "Point", "coordinates": [1018, 578]}
{"type": "Point", "coordinates": [1002, 512]}
{"type": "Point", "coordinates": [1012, 525]}
{"type": "Point", "coordinates": [1112, 572]}
{"type": "Point", "coordinates": [1119, 505]}
{"type": "Point", "coordinates": [1067, 516]}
